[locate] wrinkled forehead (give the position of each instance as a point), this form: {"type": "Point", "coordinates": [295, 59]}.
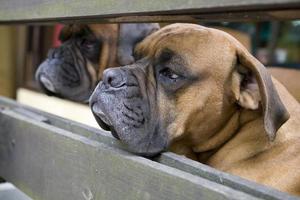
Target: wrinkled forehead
{"type": "Point", "coordinates": [194, 43]}
{"type": "Point", "coordinates": [169, 37]}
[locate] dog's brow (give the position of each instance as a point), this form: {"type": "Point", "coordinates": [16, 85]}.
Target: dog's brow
{"type": "Point", "coordinates": [165, 56]}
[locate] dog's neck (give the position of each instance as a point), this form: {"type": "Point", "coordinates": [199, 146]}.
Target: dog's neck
{"type": "Point", "coordinates": [221, 136]}
{"type": "Point", "coordinates": [246, 139]}
{"type": "Point", "coordinates": [207, 148]}
{"type": "Point", "coordinates": [207, 151]}
{"type": "Point", "coordinates": [202, 150]}
{"type": "Point", "coordinates": [223, 145]}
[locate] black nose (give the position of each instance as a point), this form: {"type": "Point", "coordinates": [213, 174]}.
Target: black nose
{"type": "Point", "coordinates": [114, 78]}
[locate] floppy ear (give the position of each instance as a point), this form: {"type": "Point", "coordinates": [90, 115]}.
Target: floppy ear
{"type": "Point", "coordinates": [256, 87]}
{"type": "Point", "coordinates": [129, 36]}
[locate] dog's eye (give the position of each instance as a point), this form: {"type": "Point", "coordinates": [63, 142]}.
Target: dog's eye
{"type": "Point", "coordinates": [87, 43]}
{"type": "Point", "coordinates": [168, 73]}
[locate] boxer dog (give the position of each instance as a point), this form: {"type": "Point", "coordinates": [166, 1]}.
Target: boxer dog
{"type": "Point", "coordinates": [73, 69]}
{"type": "Point", "coordinates": [198, 92]}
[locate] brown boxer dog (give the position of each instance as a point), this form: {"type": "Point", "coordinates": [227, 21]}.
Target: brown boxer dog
{"type": "Point", "coordinates": [73, 69]}
{"type": "Point", "coordinates": [198, 92]}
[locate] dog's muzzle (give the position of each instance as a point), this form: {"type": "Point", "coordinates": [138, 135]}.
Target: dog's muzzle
{"type": "Point", "coordinates": [112, 79]}
{"type": "Point", "coordinates": [120, 103]}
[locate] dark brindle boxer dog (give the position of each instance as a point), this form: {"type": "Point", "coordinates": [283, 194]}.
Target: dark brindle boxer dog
{"type": "Point", "coordinates": [200, 93]}
{"type": "Point", "coordinates": [72, 70]}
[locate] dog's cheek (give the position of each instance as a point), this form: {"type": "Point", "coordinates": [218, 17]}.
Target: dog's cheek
{"type": "Point", "coordinates": [167, 114]}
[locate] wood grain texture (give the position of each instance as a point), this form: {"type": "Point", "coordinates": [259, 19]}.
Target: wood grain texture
{"type": "Point", "coordinates": [115, 10]}
{"type": "Point", "coordinates": [50, 163]}
{"type": "Point", "coordinates": [169, 159]}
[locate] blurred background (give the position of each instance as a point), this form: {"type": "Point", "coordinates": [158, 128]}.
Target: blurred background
{"type": "Point", "coordinates": [23, 48]}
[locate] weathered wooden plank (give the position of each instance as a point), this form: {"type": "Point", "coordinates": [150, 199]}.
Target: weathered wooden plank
{"type": "Point", "coordinates": [217, 176]}
{"type": "Point", "coordinates": [140, 10]}
{"type": "Point", "coordinates": [9, 192]}
{"type": "Point", "coordinates": [51, 163]}
{"type": "Point", "coordinates": [72, 126]}
{"type": "Point", "coordinates": [167, 158]}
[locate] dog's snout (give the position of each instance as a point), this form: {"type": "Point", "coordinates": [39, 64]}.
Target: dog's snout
{"type": "Point", "coordinates": [113, 78]}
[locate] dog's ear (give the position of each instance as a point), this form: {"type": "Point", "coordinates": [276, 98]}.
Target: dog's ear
{"type": "Point", "coordinates": [256, 88]}
{"type": "Point", "coordinates": [129, 36]}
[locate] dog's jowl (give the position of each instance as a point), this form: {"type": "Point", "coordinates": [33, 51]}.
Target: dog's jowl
{"type": "Point", "coordinates": [198, 92]}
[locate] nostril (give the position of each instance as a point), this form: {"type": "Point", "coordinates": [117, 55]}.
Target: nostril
{"type": "Point", "coordinates": [113, 78]}
{"type": "Point", "coordinates": [109, 81]}
{"type": "Point", "coordinates": [55, 53]}
{"type": "Point", "coordinates": [51, 53]}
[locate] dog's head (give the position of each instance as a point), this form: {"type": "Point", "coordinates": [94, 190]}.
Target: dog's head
{"type": "Point", "coordinates": [187, 83]}
{"type": "Point", "coordinates": [70, 70]}
{"type": "Point", "coordinates": [73, 69]}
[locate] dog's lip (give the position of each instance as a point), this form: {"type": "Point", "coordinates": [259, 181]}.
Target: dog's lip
{"type": "Point", "coordinates": [104, 122]}
{"type": "Point", "coordinates": [114, 133]}
{"type": "Point", "coordinates": [100, 114]}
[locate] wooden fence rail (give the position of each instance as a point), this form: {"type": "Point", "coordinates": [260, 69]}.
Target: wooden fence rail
{"type": "Point", "coordinates": [49, 157]}
{"type": "Point", "coordinates": [41, 11]}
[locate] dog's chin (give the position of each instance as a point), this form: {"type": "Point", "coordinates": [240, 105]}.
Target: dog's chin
{"type": "Point", "coordinates": [138, 149]}
{"type": "Point", "coordinates": [148, 154]}
{"type": "Point", "coordinates": [104, 122]}
{"type": "Point", "coordinates": [141, 137]}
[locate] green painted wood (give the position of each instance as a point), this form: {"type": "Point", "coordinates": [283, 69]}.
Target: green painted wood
{"type": "Point", "coordinates": [128, 10]}
{"type": "Point", "coordinates": [49, 163]}
{"type": "Point", "coordinates": [167, 158]}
